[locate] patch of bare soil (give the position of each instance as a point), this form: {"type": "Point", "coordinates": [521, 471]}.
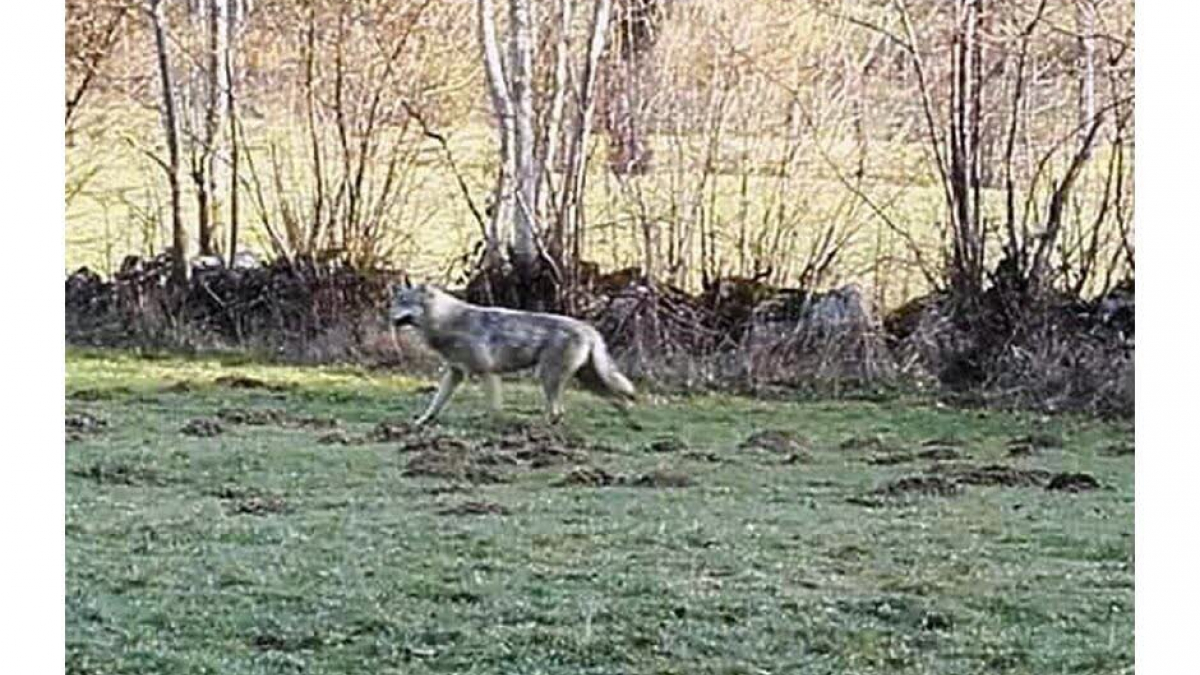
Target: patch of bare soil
{"type": "Point", "coordinates": [929, 486]}
{"type": "Point", "coordinates": [202, 428]}
{"type": "Point", "coordinates": [667, 444]}
{"type": "Point", "coordinates": [92, 395]}
{"type": "Point", "coordinates": [386, 432]}
{"type": "Point", "coordinates": [339, 437]}
{"type": "Point", "coordinates": [435, 443]}
{"type": "Point", "coordinates": [475, 509]}
{"type": "Point", "coordinates": [1039, 440]}
{"type": "Point", "coordinates": [875, 443]}
{"type": "Point", "coordinates": [941, 454]}
{"type": "Point", "coordinates": [275, 417]}
{"type": "Point", "coordinates": [257, 505]}
{"type": "Point", "coordinates": [456, 465]}
{"type": "Point", "coordinates": [79, 424]}
{"type": "Point", "coordinates": [949, 441]}
{"type": "Point", "coordinates": [1023, 450]}
{"type": "Point", "coordinates": [244, 382]}
{"type": "Point", "coordinates": [252, 416]}
{"type": "Point", "coordinates": [1119, 449]}
{"type": "Point", "coordinates": [660, 478]}
{"type": "Point", "coordinates": [709, 457]}
{"type": "Point", "coordinates": [588, 476]}
{"type": "Point", "coordinates": [776, 441]}
{"type": "Point", "coordinates": [891, 459]}
{"type": "Point", "coordinates": [178, 387]}
{"type": "Point", "coordinates": [1073, 482]}
{"type": "Point", "coordinates": [998, 475]}
{"type": "Point", "coordinates": [120, 473]}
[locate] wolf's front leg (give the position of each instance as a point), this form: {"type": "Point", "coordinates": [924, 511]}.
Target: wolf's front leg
{"type": "Point", "coordinates": [450, 381]}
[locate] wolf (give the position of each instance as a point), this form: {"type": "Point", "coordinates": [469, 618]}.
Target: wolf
{"type": "Point", "coordinates": [488, 341]}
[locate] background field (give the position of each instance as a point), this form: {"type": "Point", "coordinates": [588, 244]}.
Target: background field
{"type": "Point", "coordinates": [262, 549]}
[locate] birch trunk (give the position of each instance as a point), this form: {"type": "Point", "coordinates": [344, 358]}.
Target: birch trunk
{"type": "Point", "coordinates": [158, 24]}
{"type": "Point", "coordinates": [574, 181]}
{"type": "Point", "coordinates": [525, 171]}
{"type": "Point", "coordinates": [1085, 25]}
{"type": "Point", "coordinates": [502, 108]}
{"type": "Point", "coordinates": [215, 104]}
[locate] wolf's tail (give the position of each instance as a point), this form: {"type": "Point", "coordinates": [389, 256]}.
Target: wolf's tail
{"type": "Point", "coordinates": [600, 373]}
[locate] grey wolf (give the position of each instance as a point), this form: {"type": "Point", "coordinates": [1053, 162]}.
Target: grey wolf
{"type": "Point", "coordinates": [488, 341]}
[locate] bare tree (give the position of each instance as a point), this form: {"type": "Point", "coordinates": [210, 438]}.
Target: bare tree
{"type": "Point", "coordinates": [502, 107]}
{"type": "Point", "coordinates": [158, 23]}
{"type": "Point", "coordinates": [96, 32]}
{"type": "Point", "coordinates": [570, 209]}
{"type": "Point", "coordinates": [525, 170]}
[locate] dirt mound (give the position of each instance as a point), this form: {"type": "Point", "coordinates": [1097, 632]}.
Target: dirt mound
{"type": "Point", "coordinates": [1040, 440]}
{"type": "Point", "coordinates": [338, 438]}
{"type": "Point", "coordinates": [941, 454]}
{"type": "Point", "coordinates": [929, 486]}
{"type": "Point", "coordinates": [999, 475]}
{"type": "Point", "coordinates": [475, 509]}
{"type": "Point", "coordinates": [537, 447]}
{"type": "Point", "coordinates": [78, 424]}
{"type": "Point", "coordinates": [875, 443]}
{"type": "Point", "coordinates": [386, 432]}
{"type": "Point", "coordinates": [667, 444]}
{"type": "Point", "coordinates": [202, 428]}
{"type": "Point", "coordinates": [106, 394]}
{"type": "Point", "coordinates": [115, 472]}
{"type": "Point", "coordinates": [706, 456]}
{"type": "Point", "coordinates": [543, 455]}
{"type": "Point", "coordinates": [257, 505]}
{"type": "Point", "coordinates": [244, 382]}
{"type": "Point", "coordinates": [891, 459]}
{"type": "Point", "coordinates": [435, 443]}
{"type": "Point", "coordinates": [775, 440]}
{"type": "Point", "coordinates": [1117, 450]}
{"type": "Point", "coordinates": [252, 416]}
{"type": "Point", "coordinates": [1023, 450]}
{"type": "Point", "coordinates": [178, 387]}
{"type": "Point", "coordinates": [588, 476]}
{"type": "Point", "coordinates": [660, 478]}
{"type": "Point", "coordinates": [456, 465]}
{"type": "Point", "coordinates": [517, 434]}
{"type": "Point", "coordinates": [274, 417]}
{"type": "Point", "coordinates": [1073, 482]}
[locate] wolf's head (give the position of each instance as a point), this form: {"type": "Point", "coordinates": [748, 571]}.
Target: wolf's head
{"type": "Point", "coordinates": [410, 304]}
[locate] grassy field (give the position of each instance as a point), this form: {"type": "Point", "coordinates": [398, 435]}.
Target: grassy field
{"type": "Point", "coordinates": [859, 537]}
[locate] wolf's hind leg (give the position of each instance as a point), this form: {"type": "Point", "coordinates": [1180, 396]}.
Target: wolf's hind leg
{"type": "Point", "coordinates": [491, 385]}
{"type": "Point", "coordinates": [556, 369]}
{"type": "Point", "coordinates": [450, 381]}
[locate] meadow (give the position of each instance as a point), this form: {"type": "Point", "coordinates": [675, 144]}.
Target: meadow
{"type": "Point", "coordinates": [236, 517]}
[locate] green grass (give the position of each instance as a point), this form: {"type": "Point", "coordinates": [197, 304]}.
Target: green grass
{"type": "Point", "coordinates": [760, 566]}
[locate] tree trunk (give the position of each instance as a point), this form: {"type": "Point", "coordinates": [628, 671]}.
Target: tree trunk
{"type": "Point", "coordinates": [502, 107]}
{"type": "Point", "coordinates": [574, 182]}
{"type": "Point", "coordinates": [525, 171]}
{"type": "Point", "coordinates": [158, 23]}
{"type": "Point", "coordinates": [554, 133]}
{"type": "Point", "coordinates": [637, 32]}
{"type": "Point", "coordinates": [216, 102]}
{"type": "Point", "coordinates": [233, 20]}
{"type": "Point", "coordinates": [1085, 26]}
